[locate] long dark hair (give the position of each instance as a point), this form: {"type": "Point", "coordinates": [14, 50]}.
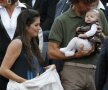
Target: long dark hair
{"type": "Point", "coordinates": [26, 18]}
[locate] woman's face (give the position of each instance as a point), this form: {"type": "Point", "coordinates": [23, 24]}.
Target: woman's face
{"type": "Point", "coordinates": [33, 29]}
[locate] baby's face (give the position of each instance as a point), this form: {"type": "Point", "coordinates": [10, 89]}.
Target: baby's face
{"type": "Point", "coordinates": [91, 17]}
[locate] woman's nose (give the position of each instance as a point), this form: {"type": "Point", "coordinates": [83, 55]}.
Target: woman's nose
{"type": "Point", "coordinates": [39, 27]}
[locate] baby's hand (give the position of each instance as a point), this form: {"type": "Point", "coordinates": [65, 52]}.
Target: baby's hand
{"type": "Point", "coordinates": [78, 28]}
{"type": "Point", "coordinates": [82, 36]}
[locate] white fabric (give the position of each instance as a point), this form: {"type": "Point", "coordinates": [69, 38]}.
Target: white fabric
{"type": "Point", "coordinates": [49, 80]}
{"type": "Point", "coordinates": [92, 31]}
{"type": "Point", "coordinates": [40, 36]}
{"type": "Point", "coordinates": [33, 2]}
{"type": "Point", "coordinates": [100, 5]}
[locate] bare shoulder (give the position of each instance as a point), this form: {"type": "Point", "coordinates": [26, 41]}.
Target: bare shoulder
{"type": "Point", "coordinates": [16, 44]}
{"type": "Point", "coordinates": [17, 41]}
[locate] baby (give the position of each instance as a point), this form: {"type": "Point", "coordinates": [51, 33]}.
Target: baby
{"type": "Point", "coordinates": [87, 36]}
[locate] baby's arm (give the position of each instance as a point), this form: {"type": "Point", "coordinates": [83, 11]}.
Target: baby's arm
{"type": "Point", "coordinates": [92, 31]}
{"type": "Point", "coordinates": [89, 33]}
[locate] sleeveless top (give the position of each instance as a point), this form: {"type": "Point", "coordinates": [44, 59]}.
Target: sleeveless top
{"type": "Point", "coordinates": [22, 68]}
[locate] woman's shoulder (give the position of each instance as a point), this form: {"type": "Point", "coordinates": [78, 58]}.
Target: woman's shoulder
{"type": "Point", "coordinates": [15, 47]}
{"type": "Point", "coordinates": [16, 43]}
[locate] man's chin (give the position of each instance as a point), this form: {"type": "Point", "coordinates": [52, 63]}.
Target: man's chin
{"type": "Point", "coordinates": [82, 12]}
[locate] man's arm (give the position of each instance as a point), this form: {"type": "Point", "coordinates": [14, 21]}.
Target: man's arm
{"type": "Point", "coordinates": [54, 52]}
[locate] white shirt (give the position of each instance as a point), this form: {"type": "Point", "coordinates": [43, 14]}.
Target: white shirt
{"type": "Point", "coordinates": [92, 31]}
{"type": "Point", "coordinates": [10, 22]}
{"type": "Point", "coordinates": [33, 2]}
{"type": "Point", "coordinates": [106, 4]}
{"type": "Point", "coordinates": [100, 5]}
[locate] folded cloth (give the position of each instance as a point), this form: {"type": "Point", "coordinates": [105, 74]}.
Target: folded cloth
{"type": "Point", "coordinates": [49, 80]}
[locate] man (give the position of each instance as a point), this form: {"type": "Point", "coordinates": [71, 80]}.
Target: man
{"type": "Point", "coordinates": [47, 12]}
{"type": "Point", "coordinates": [78, 71]}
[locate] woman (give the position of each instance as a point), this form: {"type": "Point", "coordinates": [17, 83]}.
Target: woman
{"type": "Point", "coordinates": [23, 59]}
{"type": "Point", "coordinates": [9, 11]}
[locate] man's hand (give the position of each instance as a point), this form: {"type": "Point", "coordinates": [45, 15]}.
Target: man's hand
{"type": "Point", "coordinates": [82, 53]}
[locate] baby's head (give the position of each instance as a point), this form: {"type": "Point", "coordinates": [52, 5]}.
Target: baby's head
{"type": "Point", "coordinates": [92, 16]}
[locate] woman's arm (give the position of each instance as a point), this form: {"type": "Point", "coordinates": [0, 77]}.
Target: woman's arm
{"type": "Point", "coordinates": [12, 53]}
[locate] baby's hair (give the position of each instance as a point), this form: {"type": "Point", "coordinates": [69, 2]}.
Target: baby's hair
{"type": "Point", "coordinates": [96, 12]}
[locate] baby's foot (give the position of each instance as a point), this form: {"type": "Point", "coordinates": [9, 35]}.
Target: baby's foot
{"type": "Point", "coordinates": [63, 50]}
{"type": "Point", "coordinates": [69, 53]}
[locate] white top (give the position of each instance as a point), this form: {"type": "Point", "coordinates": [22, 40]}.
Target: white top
{"type": "Point", "coordinates": [100, 5]}
{"type": "Point", "coordinates": [33, 2]}
{"type": "Point", "coordinates": [10, 22]}
{"type": "Point", "coordinates": [106, 4]}
{"type": "Point", "coordinates": [92, 31]}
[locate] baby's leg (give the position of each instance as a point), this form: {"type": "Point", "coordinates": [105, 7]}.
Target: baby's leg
{"type": "Point", "coordinates": [70, 48]}
{"type": "Point", "coordinates": [70, 53]}
{"type": "Point", "coordinates": [78, 44]}
{"type": "Point", "coordinates": [63, 50]}
{"type": "Point", "coordinates": [83, 45]}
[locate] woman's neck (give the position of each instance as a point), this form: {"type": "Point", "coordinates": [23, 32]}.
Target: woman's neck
{"type": "Point", "coordinates": [10, 9]}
